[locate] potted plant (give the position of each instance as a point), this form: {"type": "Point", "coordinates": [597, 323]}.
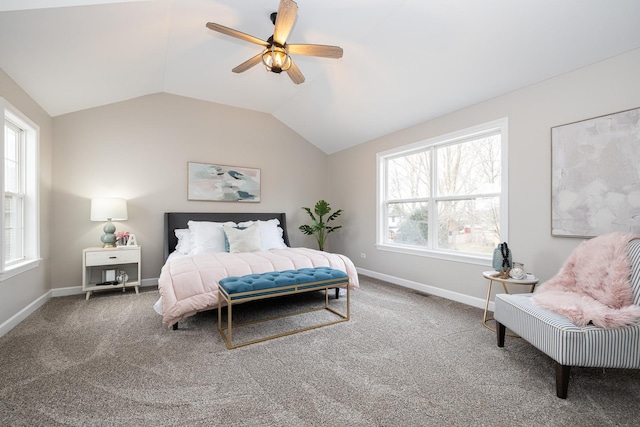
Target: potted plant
{"type": "Point", "coordinates": [320, 227]}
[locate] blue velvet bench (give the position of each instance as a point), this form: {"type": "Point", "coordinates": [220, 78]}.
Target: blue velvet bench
{"type": "Point", "coordinates": [252, 287]}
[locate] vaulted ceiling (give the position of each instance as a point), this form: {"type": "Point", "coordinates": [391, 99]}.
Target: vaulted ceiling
{"type": "Point", "coordinates": [405, 61]}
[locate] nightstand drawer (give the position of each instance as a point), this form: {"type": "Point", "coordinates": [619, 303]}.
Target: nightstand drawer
{"type": "Point", "coordinates": [112, 257]}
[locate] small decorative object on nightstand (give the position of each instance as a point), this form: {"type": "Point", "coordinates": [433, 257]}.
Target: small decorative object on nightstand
{"type": "Point", "coordinates": [123, 277]}
{"type": "Point", "coordinates": [518, 272]}
{"type": "Point", "coordinates": [111, 268]}
{"type": "Point", "coordinates": [132, 240]}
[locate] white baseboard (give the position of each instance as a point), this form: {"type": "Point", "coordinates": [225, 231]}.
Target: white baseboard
{"type": "Point", "coordinates": [65, 292]}
{"type": "Point", "coordinates": [14, 320]}
{"type": "Point", "coordinates": [428, 289]}
{"type": "Point", "coordinates": [57, 292]}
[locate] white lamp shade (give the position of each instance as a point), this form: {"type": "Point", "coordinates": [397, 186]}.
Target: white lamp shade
{"type": "Point", "coordinates": [108, 208]}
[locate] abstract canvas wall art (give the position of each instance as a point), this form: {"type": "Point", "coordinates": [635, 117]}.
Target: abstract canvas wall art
{"type": "Point", "coordinates": [223, 183]}
{"type": "Point", "coordinates": [595, 176]}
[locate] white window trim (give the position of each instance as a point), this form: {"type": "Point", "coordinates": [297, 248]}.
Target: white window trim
{"type": "Point", "coordinates": [485, 260]}
{"type": "Point", "coordinates": [32, 200]}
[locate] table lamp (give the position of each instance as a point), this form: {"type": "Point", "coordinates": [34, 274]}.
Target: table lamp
{"type": "Point", "coordinates": [108, 209]}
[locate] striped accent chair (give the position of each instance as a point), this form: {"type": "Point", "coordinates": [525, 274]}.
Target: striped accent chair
{"type": "Point", "coordinates": [570, 345]}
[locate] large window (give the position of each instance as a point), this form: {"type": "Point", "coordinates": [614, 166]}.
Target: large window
{"type": "Point", "coordinates": [446, 196]}
{"type": "Point", "coordinates": [20, 245]}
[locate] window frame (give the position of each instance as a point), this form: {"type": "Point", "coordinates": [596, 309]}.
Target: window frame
{"type": "Point", "coordinates": [31, 200]}
{"type": "Point", "coordinates": [498, 126]}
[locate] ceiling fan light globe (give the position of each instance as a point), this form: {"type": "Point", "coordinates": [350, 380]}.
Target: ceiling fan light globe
{"type": "Point", "coordinates": [276, 59]}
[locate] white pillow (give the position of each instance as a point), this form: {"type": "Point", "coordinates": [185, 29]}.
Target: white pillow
{"type": "Point", "coordinates": [270, 233]}
{"type": "Point", "coordinates": [207, 236]}
{"type": "Point", "coordinates": [243, 239]}
{"type": "Point", "coordinates": [184, 240]}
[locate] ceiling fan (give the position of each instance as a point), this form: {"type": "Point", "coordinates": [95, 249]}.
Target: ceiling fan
{"type": "Point", "coordinates": [276, 56]}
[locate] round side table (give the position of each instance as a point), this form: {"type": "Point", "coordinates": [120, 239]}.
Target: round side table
{"type": "Point", "coordinates": [530, 280]}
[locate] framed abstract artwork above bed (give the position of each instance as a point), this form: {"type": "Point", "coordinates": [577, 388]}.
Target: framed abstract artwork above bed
{"type": "Point", "coordinates": [222, 183]}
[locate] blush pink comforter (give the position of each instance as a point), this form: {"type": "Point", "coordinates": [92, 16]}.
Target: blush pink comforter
{"type": "Point", "coordinates": [190, 284]}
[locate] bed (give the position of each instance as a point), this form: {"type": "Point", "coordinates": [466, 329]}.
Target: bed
{"type": "Point", "coordinates": [202, 248]}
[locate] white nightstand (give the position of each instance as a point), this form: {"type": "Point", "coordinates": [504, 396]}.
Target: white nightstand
{"type": "Point", "coordinates": [105, 264]}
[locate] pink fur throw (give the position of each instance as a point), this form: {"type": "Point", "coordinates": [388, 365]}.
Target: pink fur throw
{"type": "Point", "coordinates": [594, 284]}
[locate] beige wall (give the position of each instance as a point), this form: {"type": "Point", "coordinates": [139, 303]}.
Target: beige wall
{"type": "Point", "coordinates": [20, 291]}
{"type": "Point", "coordinates": [603, 88]}
{"type": "Point", "coordinates": [139, 149]}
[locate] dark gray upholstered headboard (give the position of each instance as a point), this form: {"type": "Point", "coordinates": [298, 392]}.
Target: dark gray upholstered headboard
{"type": "Point", "coordinates": [177, 220]}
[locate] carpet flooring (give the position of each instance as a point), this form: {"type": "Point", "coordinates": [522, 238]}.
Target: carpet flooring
{"type": "Point", "coordinates": [404, 359]}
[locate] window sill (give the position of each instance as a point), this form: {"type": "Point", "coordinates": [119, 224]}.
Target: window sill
{"type": "Point", "coordinates": [16, 269]}
{"type": "Point", "coordinates": [485, 261]}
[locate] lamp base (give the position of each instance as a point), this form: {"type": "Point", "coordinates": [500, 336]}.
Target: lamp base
{"type": "Point", "coordinates": [109, 238]}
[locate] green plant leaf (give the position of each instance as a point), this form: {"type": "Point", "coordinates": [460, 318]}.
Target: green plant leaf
{"type": "Point", "coordinates": [334, 215]}
{"type": "Point", "coordinates": [306, 230]}
{"type": "Point", "coordinates": [310, 213]}
{"type": "Point", "coordinates": [322, 208]}
{"type": "Point", "coordinates": [330, 229]}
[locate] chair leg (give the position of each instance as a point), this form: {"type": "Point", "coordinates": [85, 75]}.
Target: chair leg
{"type": "Point", "coordinates": [500, 332]}
{"type": "Point", "coordinates": [562, 380]}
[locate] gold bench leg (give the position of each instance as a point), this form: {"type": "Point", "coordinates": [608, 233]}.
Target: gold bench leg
{"type": "Point", "coordinates": [229, 323]}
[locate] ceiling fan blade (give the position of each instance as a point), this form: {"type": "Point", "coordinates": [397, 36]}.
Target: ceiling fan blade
{"type": "Point", "coordinates": [295, 74]}
{"type": "Point", "coordinates": [248, 64]}
{"type": "Point", "coordinates": [320, 50]}
{"type": "Point", "coordinates": [287, 12]}
{"type": "Point", "coordinates": [235, 33]}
